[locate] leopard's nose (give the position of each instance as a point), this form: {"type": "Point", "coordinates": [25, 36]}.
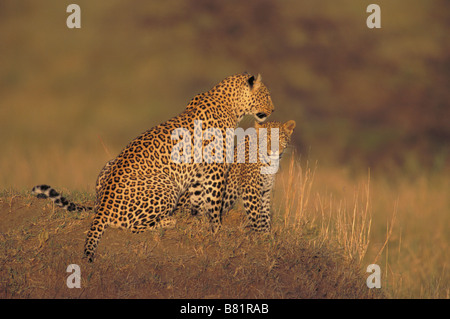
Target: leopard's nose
{"type": "Point", "coordinates": [261, 116]}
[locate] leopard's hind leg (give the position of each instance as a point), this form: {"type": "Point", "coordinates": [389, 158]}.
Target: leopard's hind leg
{"type": "Point", "coordinates": [155, 209]}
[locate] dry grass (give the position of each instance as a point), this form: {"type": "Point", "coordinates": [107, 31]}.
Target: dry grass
{"type": "Point", "coordinates": [327, 227]}
{"type": "Point", "coordinates": [299, 259]}
{"type": "Point", "coordinates": [415, 236]}
{"type": "Point", "coordinates": [39, 242]}
{"type": "Point", "coordinates": [399, 223]}
{"type": "Point", "coordinates": [333, 220]}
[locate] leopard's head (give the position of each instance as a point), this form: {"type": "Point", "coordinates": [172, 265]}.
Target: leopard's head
{"type": "Point", "coordinates": [246, 94]}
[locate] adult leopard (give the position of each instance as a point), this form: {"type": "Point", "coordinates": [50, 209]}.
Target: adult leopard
{"type": "Point", "coordinates": [140, 188]}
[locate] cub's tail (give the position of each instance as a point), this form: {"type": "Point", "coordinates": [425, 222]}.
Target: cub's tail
{"type": "Point", "coordinates": [45, 191]}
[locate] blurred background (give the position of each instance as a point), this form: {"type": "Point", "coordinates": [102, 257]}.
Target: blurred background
{"type": "Point", "coordinates": [71, 99]}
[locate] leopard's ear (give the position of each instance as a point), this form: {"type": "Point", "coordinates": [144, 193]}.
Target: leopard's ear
{"type": "Point", "coordinates": [254, 83]}
{"type": "Point", "coordinates": [289, 126]}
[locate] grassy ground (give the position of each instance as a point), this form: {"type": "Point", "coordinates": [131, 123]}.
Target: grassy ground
{"type": "Point", "coordinates": [326, 230]}
{"type": "Point", "coordinates": [399, 223]}
{"type": "Point", "coordinates": [38, 242]}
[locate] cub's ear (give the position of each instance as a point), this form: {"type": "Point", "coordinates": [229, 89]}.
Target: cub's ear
{"type": "Point", "coordinates": [257, 125]}
{"type": "Point", "coordinates": [254, 83]}
{"type": "Point", "coordinates": [289, 127]}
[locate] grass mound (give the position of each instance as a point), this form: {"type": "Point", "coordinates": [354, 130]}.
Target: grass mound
{"type": "Point", "coordinates": [39, 241]}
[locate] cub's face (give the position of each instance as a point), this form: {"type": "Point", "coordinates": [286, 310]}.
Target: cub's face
{"type": "Point", "coordinates": [285, 131]}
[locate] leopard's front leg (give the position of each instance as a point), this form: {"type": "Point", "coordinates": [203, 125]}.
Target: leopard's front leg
{"type": "Point", "coordinates": [214, 184]}
{"type": "Point", "coordinates": [263, 220]}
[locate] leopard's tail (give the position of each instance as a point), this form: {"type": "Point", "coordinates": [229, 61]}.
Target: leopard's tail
{"type": "Point", "coordinates": [45, 191]}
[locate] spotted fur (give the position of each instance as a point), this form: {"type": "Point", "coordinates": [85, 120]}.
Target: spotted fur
{"type": "Point", "coordinates": [45, 191]}
{"type": "Point", "coordinates": [140, 188]}
{"type": "Point", "coordinates": [246, 181]}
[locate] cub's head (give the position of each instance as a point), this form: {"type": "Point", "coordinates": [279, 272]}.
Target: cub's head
{"type": "Point", "coordinates": [285, 131]}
